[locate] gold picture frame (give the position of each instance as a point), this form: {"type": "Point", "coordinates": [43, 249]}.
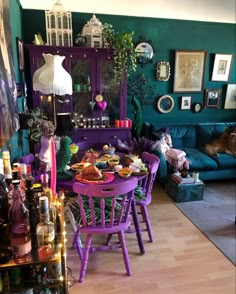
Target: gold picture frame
{"type": "Point", "coordinates": [222, 67]}
{"type": "Point", "coordinates": [163, 71]}
{"type": "Point", "coordinates": [212, 98]}
{"type": "Point", "coordinates": [189, 71]}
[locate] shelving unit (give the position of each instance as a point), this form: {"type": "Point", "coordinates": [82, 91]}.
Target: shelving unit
{"type": "Point", "coordinates": [56, 282]}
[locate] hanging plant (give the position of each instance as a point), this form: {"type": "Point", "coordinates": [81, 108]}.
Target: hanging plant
{"type": "Point", "coordinates": [125, 58]}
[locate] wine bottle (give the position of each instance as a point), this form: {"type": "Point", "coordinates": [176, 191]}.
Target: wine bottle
{"type": "Point", "coordinates": [3, 199]}
{"type": "Point", "coordinates": [19, 225]}
{"type": "Point", "coordinates": [45, 231]}
{"type": "Point", "coordinates": [33, 210]}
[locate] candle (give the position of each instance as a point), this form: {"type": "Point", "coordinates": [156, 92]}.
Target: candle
{"type": "Point", "coordinates": [53, 166]}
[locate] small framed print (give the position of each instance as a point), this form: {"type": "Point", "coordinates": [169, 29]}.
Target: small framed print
{"type": "Point", "coordinates": [186, 102]}
{"type": "Point", "coordinates": [212, 98]}
{"type": "Point", "coordinates": [221, 67]}
{"type": "Point", "coordinates": [230, 99]}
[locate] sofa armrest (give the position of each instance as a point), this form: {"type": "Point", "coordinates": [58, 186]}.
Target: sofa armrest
{"type": "Point", "coordinates": [162, 169]}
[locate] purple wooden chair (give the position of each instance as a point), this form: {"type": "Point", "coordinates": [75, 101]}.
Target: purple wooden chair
{"type": "Point", "coordinates": [146, 184]}
{"type": "Point", "coordinates": [104, 209]}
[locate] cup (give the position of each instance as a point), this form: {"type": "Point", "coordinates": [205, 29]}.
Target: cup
{"type": "Point", "coordinates": [122, 123]}
{"type": "Point", "coordinates": [195, 176]}
{"type": "Point", "coordinates": [117, 123]}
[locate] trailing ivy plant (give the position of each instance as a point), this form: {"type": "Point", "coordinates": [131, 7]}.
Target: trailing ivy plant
{"type": "Point", "coordinates": [125, 58]}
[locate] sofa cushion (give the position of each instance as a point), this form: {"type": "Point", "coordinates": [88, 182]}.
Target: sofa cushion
{"type": "Point", "coordinates": [225, 160]}
{"type": "Point", "coordinates": [183, 136]}
{"type": "Point", "coordinates": [199, 160]}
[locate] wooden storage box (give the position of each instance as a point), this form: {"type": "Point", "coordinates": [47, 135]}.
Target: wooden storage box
{"type": "Point", "coordinates": [184, 192]}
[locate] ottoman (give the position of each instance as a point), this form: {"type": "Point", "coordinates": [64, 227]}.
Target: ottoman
{"type": "Point", "coordinates": [180, 192]}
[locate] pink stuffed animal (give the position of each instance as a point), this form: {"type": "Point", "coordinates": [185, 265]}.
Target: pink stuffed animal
{"type": "Point", "coordinates": [175, 157]}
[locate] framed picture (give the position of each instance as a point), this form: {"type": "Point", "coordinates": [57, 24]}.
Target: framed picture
{"type": "Point", "coordinates": [221, 67]}
{"type": "Point", "coordinates": [165, 104]}
{"type": "Point", "coordinates": [186, 102]}
{"type": "Point", "coordinates": [189, 71]}
{"type": "Point", "coordinates": [163, 71]}
{"type": "Point", "coordinates": [212, 98]}
{"type": "Point", "coordinates": [20, 53]}
{"type": "Point", "coordinates": [230, 99]}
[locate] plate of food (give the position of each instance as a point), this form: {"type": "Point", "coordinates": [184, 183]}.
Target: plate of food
{"type": "Point", "coordinates": [92, 175]}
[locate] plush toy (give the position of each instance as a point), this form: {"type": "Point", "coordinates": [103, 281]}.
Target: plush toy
{"type": "Point", "coordinates": [176, 157]}
{"type": "Point", "coordinates": [63, 157]}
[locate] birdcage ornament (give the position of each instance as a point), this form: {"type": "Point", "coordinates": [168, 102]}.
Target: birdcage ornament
{"type": "Point", "coordinates": [58, 26]}
{"type": "Point", "coordinates": [92, 31]}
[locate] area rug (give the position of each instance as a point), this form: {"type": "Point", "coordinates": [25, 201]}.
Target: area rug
{"type": "Point", "coordinates": [215, 215]}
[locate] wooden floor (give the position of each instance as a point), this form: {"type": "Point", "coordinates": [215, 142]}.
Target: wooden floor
{"type": "Point", "coordinates": [181, 260]}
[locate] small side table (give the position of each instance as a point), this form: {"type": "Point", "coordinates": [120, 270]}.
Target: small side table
{"type": "Point", "coordinates": [184, 192]}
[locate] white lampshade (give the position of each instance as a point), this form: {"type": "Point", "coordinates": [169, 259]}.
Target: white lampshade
{"type": "Point", "coordinates": [52, 78]}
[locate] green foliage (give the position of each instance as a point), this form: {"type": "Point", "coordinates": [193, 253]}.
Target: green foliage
{"type": "Point", "coordinates": [125, 59]}
{"type": "Point", "coordinates": [39, 126]}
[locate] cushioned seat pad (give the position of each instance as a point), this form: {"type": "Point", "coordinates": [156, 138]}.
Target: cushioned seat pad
{"type": "Point", "coordinates": [199, 160]}
{"type": "Point", "coordinates": [225, 160]}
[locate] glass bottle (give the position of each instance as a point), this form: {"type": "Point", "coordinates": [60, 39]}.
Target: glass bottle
{"type": "Point", "coordinates": [33, 211]}
{"type": "Point", "coordinates": [19, 225]}
{"type": "Point", "coordinates": [3, 199]}
{"type": "Point", "coordinates": [7, 166]}
{"type": "Point", "coordinates": [51, 199]}
{"type": "Point", "coordinates": [45, 231]}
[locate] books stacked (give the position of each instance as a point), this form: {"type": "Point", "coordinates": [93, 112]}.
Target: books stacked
{"type": "Point", "coordinates": [178, 179]}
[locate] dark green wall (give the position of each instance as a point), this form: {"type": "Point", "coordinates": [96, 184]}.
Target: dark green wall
{"type": "Point", "coordinates": [18, 144]}
{"type": "Point", "coordinates": [167, 36]}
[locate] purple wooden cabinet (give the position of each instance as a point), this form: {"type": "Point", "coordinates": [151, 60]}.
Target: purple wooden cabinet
{"type": "Point", "coordinates": [91, 70]}
{"type": "Point", "coordinates": [96, 138]}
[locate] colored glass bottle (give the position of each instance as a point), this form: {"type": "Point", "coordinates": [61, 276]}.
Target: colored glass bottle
{"type": "Point", "coordinates": [45, 231]}
{"type": "Point", "coordinates": [19, 225]}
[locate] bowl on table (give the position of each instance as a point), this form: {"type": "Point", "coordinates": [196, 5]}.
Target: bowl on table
{"type": "Point", "coordinates": [125, 172]}
{"type": "Point", "coordinates": [108, 149]}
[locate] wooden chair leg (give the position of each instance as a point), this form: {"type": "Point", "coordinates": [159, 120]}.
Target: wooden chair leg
{"type": "Point", "coordinates": [121, 236]}
{"type": "Point", "coordinates": [85, 258]}
{"type": "Point", "coordinates": [147, 222]}
{"type": "Point", "coordinates": [78, 245]}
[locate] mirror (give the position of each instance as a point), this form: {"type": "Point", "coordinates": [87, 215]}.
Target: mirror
{"type": "Point", "coordinates": [163, 71]}
{"type": "Point", "coordinates": [145, 52]}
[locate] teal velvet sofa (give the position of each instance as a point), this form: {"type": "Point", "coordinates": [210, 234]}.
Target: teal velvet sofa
{"type": "Point", "coordinates": [192, 138]}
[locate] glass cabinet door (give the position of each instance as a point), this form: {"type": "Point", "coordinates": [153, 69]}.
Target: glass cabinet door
{"type": "Point", "coordinates": [110, 90]}
{"type": "Point", "coordinates": [82, 88]}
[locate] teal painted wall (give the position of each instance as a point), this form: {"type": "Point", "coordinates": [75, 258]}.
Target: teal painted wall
{"type": "Point", "coordinates": [18, 144]}
{"type": "Point", "coordinates": [167, 36]}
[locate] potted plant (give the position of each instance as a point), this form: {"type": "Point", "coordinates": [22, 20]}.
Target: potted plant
{"type": "Point", "coordinates": [39, 126]}
{"type": "Point", "coordinates": [125, 58]}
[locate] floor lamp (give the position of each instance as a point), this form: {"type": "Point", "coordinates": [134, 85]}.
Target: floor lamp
{"type": "Point", "coordinates": [52, 79]}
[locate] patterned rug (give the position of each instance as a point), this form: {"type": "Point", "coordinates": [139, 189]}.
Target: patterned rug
{"type": "Point", "coordinates": [215, 215]}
